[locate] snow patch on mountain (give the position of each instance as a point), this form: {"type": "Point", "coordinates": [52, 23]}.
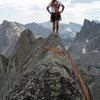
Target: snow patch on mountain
{"type": "Point", "coordinates": [84, 50]}
{"type": "Point", "coordinates": [68, 29]}
{"type": "Point", "coordinates": [95, 51]}
{"type": "Point", "coordinates": [87, 41]}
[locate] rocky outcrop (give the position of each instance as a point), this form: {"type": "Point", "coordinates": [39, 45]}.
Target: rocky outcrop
{"type": "Point", "coordinates": [34, 73]}
{"type": "Point", "coordinates": [47, 83]}
{"type": "Point", "coordinates": [22, 49]}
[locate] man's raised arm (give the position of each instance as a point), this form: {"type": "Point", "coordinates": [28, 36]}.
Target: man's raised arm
{"type": "Point", "coordinates": [48, 10]}
{"type": "Point", "coordinates": [63, 7]}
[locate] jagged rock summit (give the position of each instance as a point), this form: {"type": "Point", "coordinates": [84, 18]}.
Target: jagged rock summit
{"type": "Point", "coordinates": [34, 73]}
{"type": "Point", "coordinates": [9, 34]}
{"type": "Point", "coordinates": [86, 46]}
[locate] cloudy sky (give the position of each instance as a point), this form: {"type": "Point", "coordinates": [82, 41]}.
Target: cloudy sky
{"type": "Point", "coordinates": [27, 11]}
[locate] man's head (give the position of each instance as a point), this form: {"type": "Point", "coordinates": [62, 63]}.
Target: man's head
{"type": "Point", "coordinates": [53, 0]}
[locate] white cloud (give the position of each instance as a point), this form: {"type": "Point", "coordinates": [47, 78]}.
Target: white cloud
{"type": "Point", "coordinates": [83, 1]}
{"type": "Point", "coordinates": [77, 12]}
{"type": "Point", "coordinates": [35, 10]}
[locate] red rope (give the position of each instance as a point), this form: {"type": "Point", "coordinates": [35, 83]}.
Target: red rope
{"type": "Point", "coordinates": [61, 53]}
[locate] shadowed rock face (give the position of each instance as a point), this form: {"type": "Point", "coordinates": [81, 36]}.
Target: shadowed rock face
{"type": "Point", "coordinates": [34, 73]}
{"type": "Point", "coordinates": [3, 65]}
{"type": "Point", "coordinates": [3, 68]}
{"type": "Point", "coordinates": [86, 46]}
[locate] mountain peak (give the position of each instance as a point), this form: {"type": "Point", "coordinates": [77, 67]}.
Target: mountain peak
{"type": "Point", "coordinates": [54, 40]}
{"type": "Point", "coordinates": [5, 21]}
{"type": "Point", "coordinates": [86, 22]}
{"type": "Point", "coordinates": [40, 73]}
{"type": "Point", "coordinates": [89, 23]}
{"type": "Point", "coordinates": [87, 40]}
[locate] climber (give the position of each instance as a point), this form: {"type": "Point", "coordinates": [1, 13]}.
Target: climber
{"type": "Point", "coordinates": [55, 13]}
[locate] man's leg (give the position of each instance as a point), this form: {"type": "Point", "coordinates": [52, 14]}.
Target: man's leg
{"type": "Point", "coordinates": [57, 25]}
{"type": "Point", "coordinates": [53, 26]}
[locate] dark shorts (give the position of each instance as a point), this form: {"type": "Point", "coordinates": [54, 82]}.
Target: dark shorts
{"type": "Point", "coordinates": [55, 17]}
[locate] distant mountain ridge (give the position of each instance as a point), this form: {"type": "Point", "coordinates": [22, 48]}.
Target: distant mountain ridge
{"type": "Point", "coordinates": [9, 33]}
{"type": "Point", "coordinates": [38, 30]}
{"type": "Point", "coordinates": [65, 30]}
{"type": "Point", "coordinates": [96, 21]}
{"type": "Point", "coordinates": [86, 46]}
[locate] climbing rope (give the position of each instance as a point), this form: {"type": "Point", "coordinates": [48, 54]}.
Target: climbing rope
{"type": "Point", "coordinates": [61, 53]}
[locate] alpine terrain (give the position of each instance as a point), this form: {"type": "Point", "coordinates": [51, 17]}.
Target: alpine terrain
{"type": "Point", "coordinates": [36, 72]}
